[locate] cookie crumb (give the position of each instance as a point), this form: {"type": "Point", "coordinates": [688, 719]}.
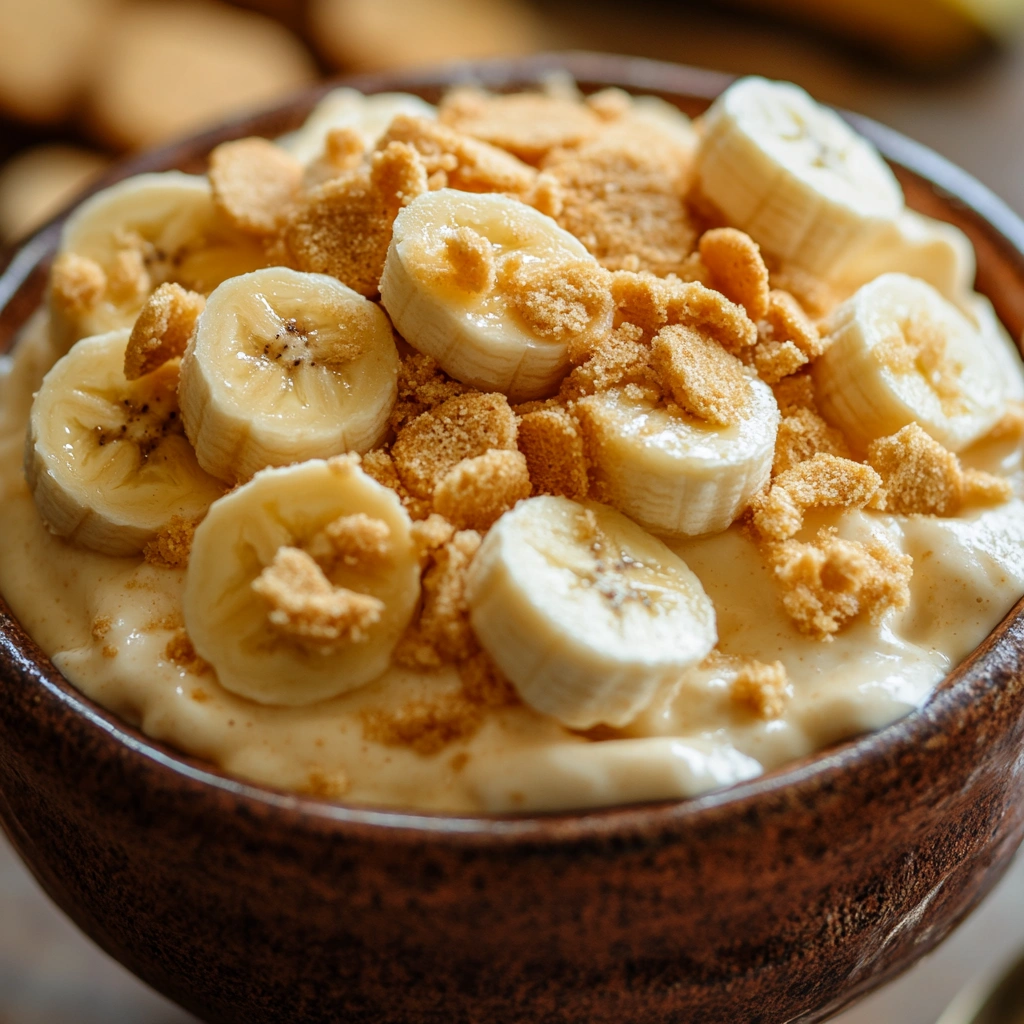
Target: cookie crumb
{"type": "Point", "coordinates": [162, 329]}
{"type": "Point", "coordinates": [101, 626]}
{"type": "Point", "coordinates": [802, 435]}
{"type": "Point", "coordinates": [476, 491]}
{"type": "Point", "coordinates": [460, 428]}
{"type": "Point", "coordinates": [77, 283]}
{"type": "Point", "coordinates": [350, 541]}
{"type": "Point", "coordinates": [786, 321]}
{"type": "Point", "coordinates": [171, 547]}
{"type": "Point", "coordinates": [422, 385]}
{"type": "Point", "coordinates": [343, 148]}
{"type": "Point", "coordinates": [304, 607]}
{"type": "Point", "coordinates": [981, 488]}
{"type": "Point", "coordinates": [180, 652]}
{"type": "Point", "coordinates": [761, 688]}
{"type": "Point", "coordinates": [253, 183]}
{"type": "Point", "coordinates": [775, 360]}
{"type": "Point", "coordinates": [701, 376]}
{"type": "Point", "coordinates": [737, 269]}
{"type": "Point", "coordinates": [426, 726]}
{"type": "Point", "coordinates": [326, 786]}
{"type": "Point", "coordinates": [919, 474]}
{"type": "Point", "coordinates": [467, 262]}
{"type": "Point", "coordinates": [553, 446]}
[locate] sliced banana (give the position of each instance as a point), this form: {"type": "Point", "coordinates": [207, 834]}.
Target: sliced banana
{"type": "Point", "coordinates": [675, 474]}
{"type": "Point", "coordinates": [921, 247]}
{"type": "Point", "coordinates": [106, 459]}
{"type": "Point", "coordinates": [982, 314]}
{"type": "Point", "coordinates": [794, 175]}
{"type": "Point", "coordinates": [586, 613]}
{"type": "Point", "coordinates": [140, 233]}
{"type": "Point", "coordinates": [899, 353]}
{"type": "Point", "coordinates": [301, 582]}
{"type": "Point", "coordinates": [286, 366]}
{"type": "Point", "coordinates": [480, 282]}
{"type": "Point", "coordinates": [368, 116]}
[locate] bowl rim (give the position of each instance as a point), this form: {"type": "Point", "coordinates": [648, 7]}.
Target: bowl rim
{"type": "Point", "coordinates": [796, 780]}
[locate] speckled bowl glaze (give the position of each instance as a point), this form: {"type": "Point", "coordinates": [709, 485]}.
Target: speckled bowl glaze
{"type": "Point", "coordinates": [780, 900]}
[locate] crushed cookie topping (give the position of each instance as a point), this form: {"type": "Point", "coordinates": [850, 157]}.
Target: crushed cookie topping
{"type": "Point", "coordinates": [77, 283]}
{"type": "Point", "coordinates": [304, 607]}
{"type": "Point", "coordinates": [343, 148]}
{"type": "Point", "coordinates": [349, 541]}
{"type": "Point", "coordinates": [253, 183]}
{"type": "Point", "coordinates": [802, 435]}
{"type": "Point", "coordinates": [737, 269]}
{"type": "Point", "coordinates": [460, 428]}
{"type": "Point", "coordinates": [422, 385]}
{"type": "Point", "coordinates": [761, 688]}
{"type": "Point", "coordinates": [162, 329]}
{"type": "Point", "coordinates": [468, 261]}
{"type": "Point", "coordinates": [552, 443]}
{"type": "Point", "coordinates": [170, 548]}
{"type": "Point", "coordinates": [476, 491]}
{"type": "Point", "coordinates": [704, 379]}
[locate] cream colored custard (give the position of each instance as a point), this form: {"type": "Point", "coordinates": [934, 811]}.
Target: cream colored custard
{"type": "Point", "coordinates": [106, 623]}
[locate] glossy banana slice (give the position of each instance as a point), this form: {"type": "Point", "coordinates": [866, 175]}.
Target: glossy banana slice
{"type": "Point", "coordinates": [123, 242]}
{"type": "Point", "coordinates": [106, 459]}
{"type": "Point", "coordinates": [586, 613]}
{"type": "Point", "coordinates": [301, 582]}
{"type": "Point", "coordinates": [286, 366]}
{"type": "Point", "coordinates": [673, 473]}
{"type": "Point", "coordinates": [793, 175]}
{"type": "Point", "coordinates": [899, 353]}
{"type": "Point", "coordinates": [493, 290]}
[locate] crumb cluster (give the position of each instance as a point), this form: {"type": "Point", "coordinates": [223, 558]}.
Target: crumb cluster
{"type": "Point", "coordinates": [253, 183]}
{"type": "Point", "coordinates": [761, 688]}
{"type": "Point", "coordinates": [170, 548]}
{"type": "Point", "coordinates": [162, 330]}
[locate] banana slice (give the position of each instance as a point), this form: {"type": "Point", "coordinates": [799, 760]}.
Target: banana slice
{"type": "Point", "coordinates": [794, 175]}
{"type": "Point", "coordinates": [675, 474]}
{"type": "Point", "coordinates": [286, 366]}
{"type": "Point", "coordinates": [368, 116]}
{"type": "Point", "coordinates": [107, 459]}
{"type": "Point", "coordinates": [301, 582]}
{"type": "Point", "coordinates": [493, 290]}
{"type": "Point", "coordinates": [134, 236]}
{"type": "Point", "coordinates": [918, 246]}
{"type": "Point", "coordinates": [586, 613]}
{"type": "Point", "coordinates": [900, 353]}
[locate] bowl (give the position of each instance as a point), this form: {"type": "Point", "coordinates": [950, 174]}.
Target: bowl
{"type": "Point", "coordinates": [778, 900]}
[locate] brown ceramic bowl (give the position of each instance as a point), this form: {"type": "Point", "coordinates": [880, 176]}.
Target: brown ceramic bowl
{"type": "Point", "coordinates": [779, 900]}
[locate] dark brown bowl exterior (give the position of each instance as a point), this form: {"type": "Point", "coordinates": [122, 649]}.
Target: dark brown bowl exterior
{"type": "Point", "coordinates": [776, 901]}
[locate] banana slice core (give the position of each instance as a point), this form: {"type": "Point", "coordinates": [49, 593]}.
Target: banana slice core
{"type": "Point", "coordinates": [286, 366]}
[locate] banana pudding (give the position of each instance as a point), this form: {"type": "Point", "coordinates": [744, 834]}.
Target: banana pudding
{"type": "Point", "coordinates": [525, 453]}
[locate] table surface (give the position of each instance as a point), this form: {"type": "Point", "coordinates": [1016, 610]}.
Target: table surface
{"type": "Point", "coordinates": [50, 974]}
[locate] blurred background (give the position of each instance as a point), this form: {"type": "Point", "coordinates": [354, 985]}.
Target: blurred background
{"type": "Point", "coordinates": [83, 82]}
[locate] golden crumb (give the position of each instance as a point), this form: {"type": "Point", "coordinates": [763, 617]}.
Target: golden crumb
{"type": "Point", "coordinates": [557, 299]}
{"type": "Point", "coordinates": [77, 283]}
{"type": "Point", "coordinates": [546, 195]}
{"type": "Point", "coordinates": [737, 269]}
{"type": "Point", "coordinates": [426, 726]}
{"type": "Point", "coordinates": [553, 446]}
{"type": "Point", "coordinates": [822, 481]}
{"type": "Point", "coordinates": [919, 474]}
{"type": "Point", "coordinates": [476, 491]}
{"type": "Point", "coordinates": [303, 606]}
{"type": "Point", "coordinates": [794, 393]}
{"type": "Point", "coordinates": [619, 359]}
{"type": "Point", "coordinates": [442, 633]}
{"type": "Point", "coordinates": [422, 385]}
{"type": "Point", "coordinates": [455, 160]}
{"type": "Point", "coordinates": [775, 360]}
{"type": "Point", "coordinates": [253, 183]}
{"type": "Point", "coordinates": [528, 125]}
{"type": "Point", "coordinates": [484, 684]}
{"type": "Point", "coordinates": [622, 196]}
{"type": "Point", "coordinates": [812, 292]}
{"type": "Point", "coordinates": [179, 651]}
{"type": "Point", "coordinates": [460, 428]}
{"type": "Point", "coordinates": [101, 626]}
{"type": "Point", "coordinates": [343, 227]}
{"type": "Point", "coordinates": [981, 488]}
{"type": "Point", "coordinates": [379, 465]}
{"type": "Point", "coordinates": [786, 321]}
{"type": "Point", "coordinates": [1011, 425]}
{"type": "Point", "coordinates": [170, 548]}
{"type": "Point", "coordinates": [430, 534]}
{"type": "Point", "coordinates": [919, 344]}
{"type": "Point", "coordinates": [326, 787]}
{"type": "Point", "coordinates": [652, 303]}
{"type": "Point", "coordinates": [162, 329]}
{"type": "Point", "coordinates": [109, 651]}
{"type": "Point", "coordinates": [761, 688]}
{"type": "Point", "coordinates": [701, 376]}
{"type": "Point", "coordinates": [343, 148]}
{"type": "Point", "coordinates": [353, 540]}
{"type": "Point", "coordinates": [802, 435]}
{"type": "Point", "coordinates": [830, 582]}
{"type": "Point", "coordinates": [467, 262]}
{"type": "Point", "coordinates": [128, 279]}
{"type": "Point", "coordinates": [610, 104]}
